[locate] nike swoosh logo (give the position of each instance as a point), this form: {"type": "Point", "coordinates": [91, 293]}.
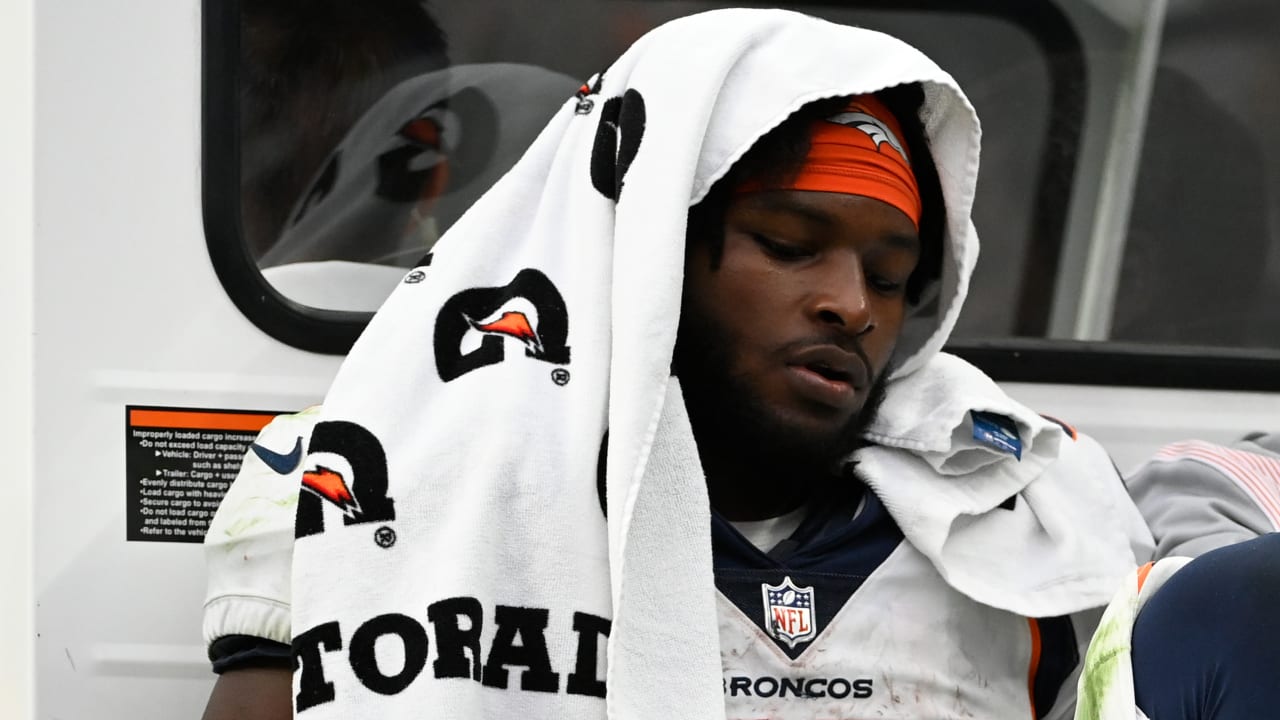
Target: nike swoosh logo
{"type": "Point", "coordinates": [281, 463]}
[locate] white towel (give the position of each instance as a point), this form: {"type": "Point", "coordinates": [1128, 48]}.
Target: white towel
{"type": "Point", "coordinates": [1068, 532]}
{"type": "Point", "coordinates": [457, 462]}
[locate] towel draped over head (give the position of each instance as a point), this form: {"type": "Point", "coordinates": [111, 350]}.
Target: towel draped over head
{"type": "Point", "coordinates": [503, 506]}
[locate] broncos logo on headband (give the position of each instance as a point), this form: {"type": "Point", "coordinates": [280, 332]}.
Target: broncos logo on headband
{"type": "Point", "coordinates": [872, 126]}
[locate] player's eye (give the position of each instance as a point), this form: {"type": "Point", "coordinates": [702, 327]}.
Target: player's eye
{"type": "Point", "coordinates": [885, 285]}
{"type": "Point", "coordinates": [779, 249]}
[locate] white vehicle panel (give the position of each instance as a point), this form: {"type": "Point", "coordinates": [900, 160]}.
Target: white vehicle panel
{"type": "Point", "coordinates": [128, 311]}
{"type": "Point", "coordinates": [17, 607]}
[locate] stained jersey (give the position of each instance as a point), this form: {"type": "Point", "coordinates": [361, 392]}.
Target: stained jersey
{"type": "Point", "coordinates": [843, 619]}
{"type": "Point", "coordinates": [840, 619]}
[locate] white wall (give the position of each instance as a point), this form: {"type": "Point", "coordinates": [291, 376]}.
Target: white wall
{"type": "Point", "coordinates": [128, 311]}
{"type": "Point", "coordinates": [17, 233]}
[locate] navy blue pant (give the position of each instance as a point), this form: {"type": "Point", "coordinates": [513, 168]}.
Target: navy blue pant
{"type": "Point", "coordinates": [1207, 644]}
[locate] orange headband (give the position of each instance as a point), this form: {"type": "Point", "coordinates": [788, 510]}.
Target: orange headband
{"type": "Point", "coordinates": [858, 151]}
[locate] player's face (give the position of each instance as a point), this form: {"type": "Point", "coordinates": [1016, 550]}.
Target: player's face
{"type": "Point", "coordinates": [802, 314]}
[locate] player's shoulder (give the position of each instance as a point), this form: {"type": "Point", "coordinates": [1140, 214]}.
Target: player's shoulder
{"type": "Point", "coordinates": [1067, 428]}
{"type": "Point", "coordinates": [1079, 449]}
{"type": "Point", "coordinates": [280, 446]}
{"type": "Point", "coordinates": [264, 495]}
{"type": "Point", "coordinates": [298, 423]}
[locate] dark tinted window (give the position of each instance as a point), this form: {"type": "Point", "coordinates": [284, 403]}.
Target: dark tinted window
{"type": "Point", "coordinates": [1125, 197]}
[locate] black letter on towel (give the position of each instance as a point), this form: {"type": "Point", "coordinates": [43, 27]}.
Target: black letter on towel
{"type": "Point", "coordinates": [529, 624]}
{"type": "Point", "coordinates": [313, 689]}
{"type": "Point", "coordinates": [617, 141]}
{"type": "Point", "coordinates": [602, 461]}
{"type": "Point", "coordinates": [364, 656]}
{"type": "Point", "coordinates": [583, 680]}
{"type": "Point", "coordinates": [452, 640]}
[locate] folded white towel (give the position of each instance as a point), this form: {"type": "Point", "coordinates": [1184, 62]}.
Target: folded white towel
{"type": "Point", "coordinates": [1067, 532]}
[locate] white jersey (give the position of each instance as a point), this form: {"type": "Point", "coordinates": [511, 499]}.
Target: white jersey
{"type": "Point", "coordinates": [858, 624]}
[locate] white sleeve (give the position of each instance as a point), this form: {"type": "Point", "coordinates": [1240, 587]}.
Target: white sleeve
{"type": "Point", "coordinates": [1105, 689]}
{"type": "Point", "coordinates": [249, 545]}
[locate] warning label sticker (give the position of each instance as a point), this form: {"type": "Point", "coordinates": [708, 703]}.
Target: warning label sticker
{"type": "Point", "coordinates": [179, 463]}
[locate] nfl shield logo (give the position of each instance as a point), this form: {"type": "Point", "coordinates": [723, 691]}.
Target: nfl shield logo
{"type": "Point", "coordinates": [788, 612]}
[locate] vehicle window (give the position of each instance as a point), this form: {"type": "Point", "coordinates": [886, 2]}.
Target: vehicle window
{"type": "Point", "coordinates": [1201, 260]}
{"type": "Point", "coordinates": [1124, 200]}
{"type": "Point", "coordinates": [361, 141]}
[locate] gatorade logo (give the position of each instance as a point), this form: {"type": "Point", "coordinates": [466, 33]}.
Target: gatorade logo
{"type": "Point", "coordinates": [542, 329]}
{"type": "Point", "coordinates": [346, 468]}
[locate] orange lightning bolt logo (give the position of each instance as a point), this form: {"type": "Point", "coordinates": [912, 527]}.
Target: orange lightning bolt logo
{"type": "Point", "coordinates": [330, 486]}
{"type": "Point", "coordinates": [513, 324]}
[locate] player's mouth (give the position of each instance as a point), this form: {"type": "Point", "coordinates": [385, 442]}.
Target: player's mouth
{"type": "Point", "coordinates": [828, 374]}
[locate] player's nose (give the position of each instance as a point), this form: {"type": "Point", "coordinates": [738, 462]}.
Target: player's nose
{"type": "Point", "coordinates": [840, 296]}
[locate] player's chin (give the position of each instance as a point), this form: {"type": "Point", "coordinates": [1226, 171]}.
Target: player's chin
{"type": "Point", "coordinates": [814, 425]}
{"type": "Point", "coordinates": [818, 411]}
